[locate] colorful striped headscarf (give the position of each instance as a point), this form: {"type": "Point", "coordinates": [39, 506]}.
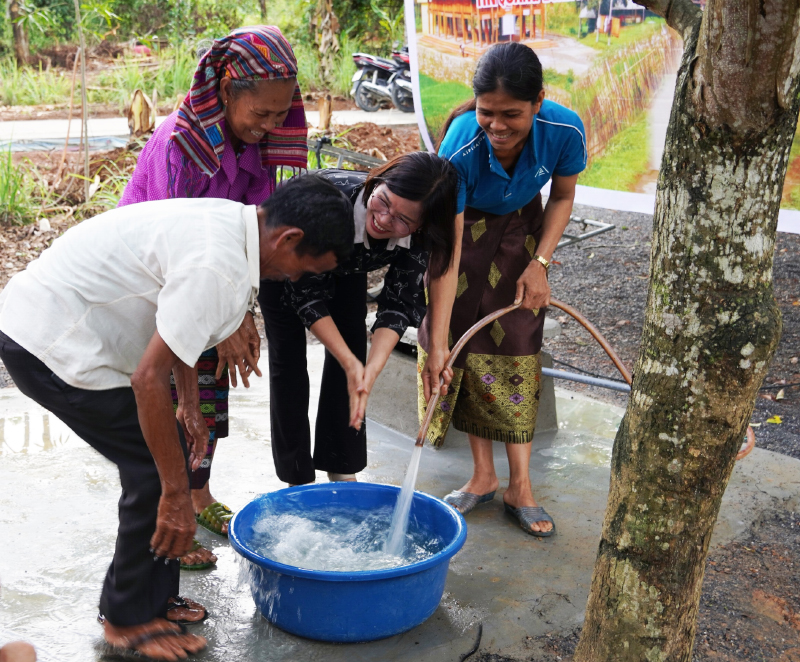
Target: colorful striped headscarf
{"type": "Point", "coordinates": [255, 53]}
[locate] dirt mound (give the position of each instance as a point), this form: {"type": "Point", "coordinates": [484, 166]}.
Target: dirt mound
{"type": "Point", "coordinates": [381, 142]}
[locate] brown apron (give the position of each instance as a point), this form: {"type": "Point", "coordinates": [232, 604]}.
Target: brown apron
{"type": "Point", "coordinates": [495, 389]}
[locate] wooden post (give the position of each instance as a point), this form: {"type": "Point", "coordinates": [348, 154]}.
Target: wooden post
{"type": "Point", "coordinates": [544, 18]}
{"type": "Point", "coordinates": [325, 112]}
{"type": "Point", "coordinates": [84, 102]}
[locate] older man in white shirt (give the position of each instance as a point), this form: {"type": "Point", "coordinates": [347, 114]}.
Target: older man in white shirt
{"type": "Point", "coordinates": [93, 329]}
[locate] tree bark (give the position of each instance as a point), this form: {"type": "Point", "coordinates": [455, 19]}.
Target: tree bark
{"type": "Point", "coordinates": [263, 4]}
{"type": "Point", "coordinates": [711, 324]}
{"type": "Point", "coordinates": [21, 49]}
{"type": "Point", "coordinates": [326, 37]}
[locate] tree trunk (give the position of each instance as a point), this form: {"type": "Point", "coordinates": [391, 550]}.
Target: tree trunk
{"type": "Point", "coordinates": [21, 50]}
{"type": "Point", "coordinates": [263, 4]}
{"type": "Point", "coordinates": [326, 38]}
{"type": "Point", "coordinates": [711, 325]}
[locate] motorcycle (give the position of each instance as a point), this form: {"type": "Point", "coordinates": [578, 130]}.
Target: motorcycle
{"type": "Point", "coordinates": [402, 91]}
{"type": "Point", "coordinates": [379, 82]}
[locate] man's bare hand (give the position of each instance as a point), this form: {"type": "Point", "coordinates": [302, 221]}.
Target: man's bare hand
{"type": "Point", "coordinates": [240, 351]}
{"type": "Point", "coordinates": [175, 525]}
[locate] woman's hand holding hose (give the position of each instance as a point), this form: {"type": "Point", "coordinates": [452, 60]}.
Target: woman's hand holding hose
{"type": "Point", "coordinates": [435, 374]}
{"type": "Point", "coordinates": [533, 290]}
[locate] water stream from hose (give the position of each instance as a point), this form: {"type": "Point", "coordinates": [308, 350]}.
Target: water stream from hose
{"type": "Point", "coordinates": [396, 541]}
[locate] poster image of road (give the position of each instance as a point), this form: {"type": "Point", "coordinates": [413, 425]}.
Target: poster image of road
{"type": "Point", "coordinates": [612, 61]}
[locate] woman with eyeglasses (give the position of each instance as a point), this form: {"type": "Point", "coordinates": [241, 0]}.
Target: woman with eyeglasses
{"type": "Point", "coordinates": [404, 216]}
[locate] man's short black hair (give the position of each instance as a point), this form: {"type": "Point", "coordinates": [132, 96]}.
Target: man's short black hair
{"type": "Point", "coordinates": [319, 209]}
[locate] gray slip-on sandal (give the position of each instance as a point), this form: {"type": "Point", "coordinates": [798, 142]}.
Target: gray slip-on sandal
{"type": "Point", "coordinates": [464, 502]}
{"type": "Point", "coordinates": [527, 515]}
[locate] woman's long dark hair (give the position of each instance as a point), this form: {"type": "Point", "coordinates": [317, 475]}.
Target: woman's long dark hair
{"type": "Point", "coordinates": [512, 67]}
{"type": "Point", "coordinates": [433, 181]}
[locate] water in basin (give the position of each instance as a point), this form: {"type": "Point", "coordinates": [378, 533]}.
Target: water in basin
{"type": "Point", "coordinates": [339, 539]}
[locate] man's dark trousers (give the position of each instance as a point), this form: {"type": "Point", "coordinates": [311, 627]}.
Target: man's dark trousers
{"type": "Point", "coordinates": [136, 587]}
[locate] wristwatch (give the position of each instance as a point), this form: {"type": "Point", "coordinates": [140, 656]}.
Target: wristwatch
{"type": "Point", "coordinates": [543, 262]}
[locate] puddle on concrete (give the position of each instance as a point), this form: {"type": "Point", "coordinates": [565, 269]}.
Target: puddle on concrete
{"type": "Point", "coordinates": [586, 431]}
{"type": "Point", "coordinates": [26, 428]}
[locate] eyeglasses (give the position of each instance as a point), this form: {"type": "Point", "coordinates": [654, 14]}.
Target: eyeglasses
{"type": "Point", "coordinates": [380, 207]}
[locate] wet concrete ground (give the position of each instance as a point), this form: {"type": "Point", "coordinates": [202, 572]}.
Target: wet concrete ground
{"type": "Point", "coordinates": [58, 521]}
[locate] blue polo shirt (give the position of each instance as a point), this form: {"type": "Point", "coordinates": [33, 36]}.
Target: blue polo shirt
{"type": "Point", "coordinates": [556, 145]}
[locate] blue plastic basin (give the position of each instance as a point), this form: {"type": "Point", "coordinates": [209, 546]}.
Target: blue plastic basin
{"type": "Point", "coordinates": [348, 606]}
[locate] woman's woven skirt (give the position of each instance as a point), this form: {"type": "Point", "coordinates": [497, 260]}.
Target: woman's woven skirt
{"type": "Point", "coordinates": [495, 389]}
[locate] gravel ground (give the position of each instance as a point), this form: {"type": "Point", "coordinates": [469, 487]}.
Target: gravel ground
{"type": "Point", "coordinates": [750, 605]}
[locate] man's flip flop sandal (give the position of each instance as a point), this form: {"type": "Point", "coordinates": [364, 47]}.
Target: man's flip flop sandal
{"type": "Point", "coordinates": [196, 566]}
{"type": "Point", "coordinates": [130, 653]}
{"type": "Point", "coordinates": [214, 517]}
{"type": "Point", "coordinates": [177, 602]}
{"type": "Point", "coordinates": [527, 515]}
{"type": "Point", "coordinates": [464, 502]}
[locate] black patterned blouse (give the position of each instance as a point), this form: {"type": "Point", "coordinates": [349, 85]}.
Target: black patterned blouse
{"type": "Point", "coordinates": [401, 303]}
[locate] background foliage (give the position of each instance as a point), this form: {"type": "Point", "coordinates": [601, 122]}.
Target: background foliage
{"type": "Point", "coordinates": [373, 22]}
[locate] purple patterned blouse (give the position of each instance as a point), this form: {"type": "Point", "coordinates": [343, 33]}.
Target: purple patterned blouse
{"type": "Point", "coordinates": [239, 179]}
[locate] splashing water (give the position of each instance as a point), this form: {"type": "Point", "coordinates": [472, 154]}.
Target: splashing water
{"type": "Point", "coordinates": [340, 539]}
{"type": "Point", "coordinates": [396, 542]}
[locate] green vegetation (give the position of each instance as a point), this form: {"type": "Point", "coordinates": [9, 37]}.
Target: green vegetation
{"type": "Point", "coordinates": [563, 81]}
{"type": "Point", "coordinates": [791, 186]}
{"type": "Point", "coordinates": [628, 35]}
{"type": "Point", "coordinates": [25, 86]}
{"type": "Point", "coordinates": [171, 79]}
{"type": "Point", "coordinates": [439, 99]}
{"type": "Point", "coordinates": [562, 19]}
{"type": "Point", "coordinates": [372, 25]}
{"type": "Point", "coordinates": [23, 193]}
{"type": "Point", "coordinates": [623, 161]}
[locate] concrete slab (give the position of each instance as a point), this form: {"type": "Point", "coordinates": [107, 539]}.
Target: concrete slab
{"type": "Point", "coordinates": [58, 517]}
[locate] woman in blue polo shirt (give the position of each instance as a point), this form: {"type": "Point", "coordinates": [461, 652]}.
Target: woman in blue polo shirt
{"type": "Point", "coordinates": [506, 144]}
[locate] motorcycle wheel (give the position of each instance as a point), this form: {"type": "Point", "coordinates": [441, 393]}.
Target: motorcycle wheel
{"type": "Point", "coordinates": [365, 100]}
{"type": "Point", "coordinates": [402, 100]}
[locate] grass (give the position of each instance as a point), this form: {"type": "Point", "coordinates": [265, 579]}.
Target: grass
{"type": "Point", "coordinates": [25, 86]}
{"type": "Point", "coordinates": [345, 67]}
{"type": "Point", "coordinates": [623, 161]}
{"type": "Point", "coordinates": [439, 99]}
{"type": "Point", "coordinates": [562, 19]}
{"type": "Point", "coordinates": [554, 79]}
{"type": "Point", "coordinates": [113, 180]}
{"type": "Point", "coordinates": [19, 189]}
{"type": "Point", "coordinates": [171, 79]}
{"type": "Point", "coordinates": [308, 74]}
{"type": "Point", "coordinates": [628, 35]}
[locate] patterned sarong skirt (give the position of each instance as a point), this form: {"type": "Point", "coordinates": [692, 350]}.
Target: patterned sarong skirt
{"type": "Point", "coordinates": [495, 389]}
{"type": "Point", "coordinates": [213, 406]}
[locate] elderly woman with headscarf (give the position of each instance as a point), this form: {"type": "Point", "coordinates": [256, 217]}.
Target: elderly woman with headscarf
{"type": "Point", "coordinates": [242, 120]}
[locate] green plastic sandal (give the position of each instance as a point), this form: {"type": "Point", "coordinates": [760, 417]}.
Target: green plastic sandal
{"type": "Point", "coordinates": [214, 516]}
{"type": "Point", "coordinates": [196, 566]}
